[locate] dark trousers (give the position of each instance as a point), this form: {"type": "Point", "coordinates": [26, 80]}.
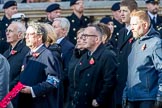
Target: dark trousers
{"type": "Point", "coordinates": [141, 104]}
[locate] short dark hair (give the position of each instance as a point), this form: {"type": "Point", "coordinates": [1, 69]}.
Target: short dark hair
{"type": "Point", "coordinates": [131, 4]}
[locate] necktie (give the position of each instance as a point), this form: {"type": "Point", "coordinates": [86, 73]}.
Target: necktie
{"type": "Point", "coordinates": [154, 21]}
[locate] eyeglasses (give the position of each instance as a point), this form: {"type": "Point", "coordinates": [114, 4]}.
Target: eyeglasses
{"type": "Point", "coordinates": [81, 37]}
{"type": "Point", "coordinates": [88, 35]}
{"type": "Point", "coordinates": [9, 30]}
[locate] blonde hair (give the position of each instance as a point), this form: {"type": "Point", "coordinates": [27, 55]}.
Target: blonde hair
{"type": "Point", "coordinates": [142, 15]}
{"type": "Point", "coordinates": [51, 34]}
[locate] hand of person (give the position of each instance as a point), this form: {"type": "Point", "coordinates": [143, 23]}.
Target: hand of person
{"type": "Point", "coordinates": [94, 103]}
{"type": "Point", "coordinates": [124, 103]}
{"type": "Point", "coordinates": [26, 90]}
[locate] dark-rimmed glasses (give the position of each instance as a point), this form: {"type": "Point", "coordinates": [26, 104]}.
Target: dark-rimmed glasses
{"type": "Point", "coordinates": [88, 35]}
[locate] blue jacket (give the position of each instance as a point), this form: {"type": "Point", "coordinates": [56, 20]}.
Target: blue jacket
{"type": "Point", "coordinates": [145, 68]}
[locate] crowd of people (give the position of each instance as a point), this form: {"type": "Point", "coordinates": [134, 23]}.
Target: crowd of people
{"type": "Point", "coordinates": [71, 62]}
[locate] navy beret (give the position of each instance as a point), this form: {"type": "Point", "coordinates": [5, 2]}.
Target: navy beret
{"type": "Point", "coordinates": [152, 1]}
{"type": "Point", "coordinates": [53, 7]}
{"type": "Point", "coordinates": [115, 6]}
{"type": "Point", "coordinates": [106, 20]}
{"type": "Point", "coordinates": [9, 4]}
{"type": "Point", "coordinates": [72, 2]}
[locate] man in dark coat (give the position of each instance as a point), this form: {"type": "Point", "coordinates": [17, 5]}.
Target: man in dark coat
{"type": "Point", "coordinates": [10, 8]}
{"type": "Point", "coordinates": [16, 53]}
{"type": "Point", "coordinates": [39, 72]}
{"type": "Point", "coordinates": [53, 11]}
{"type": "Point", "coordinates": [62, 26]}
{"type": "Point", "coordinates": [152, 10]}
{"type": "Point", "coordinates": [92, 82]}
{"type": "Point", "coordinates": [77, 19]}
{"type": "Point", "coordinates": [124, 45]}
{"type": "Point", "coordinates": [118, 24]}
{"type": "Point", "coordinates": [17, 50]}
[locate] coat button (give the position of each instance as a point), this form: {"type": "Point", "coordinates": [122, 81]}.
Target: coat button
{"type": "Point", "coordinates": [74, 29]}
{"type": "Point", "coordinates": [88, 75]}
{"type": "Point", "coordinates": [120, 52]}
{"type": "Point", "coordinates": [86, 84]}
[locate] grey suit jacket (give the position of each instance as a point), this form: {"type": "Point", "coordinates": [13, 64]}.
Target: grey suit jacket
{"type": "Point", "coordinates": [4, 78]}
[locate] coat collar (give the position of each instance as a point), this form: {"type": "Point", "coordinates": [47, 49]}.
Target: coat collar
{"type": "Point", "coordinates": [19, 46]}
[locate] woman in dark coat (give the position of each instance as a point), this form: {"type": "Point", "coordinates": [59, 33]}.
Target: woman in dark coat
{"type": "Point", "coordinates": [77, 54]}
{"type": "Point", "coordinates": [56, 50]}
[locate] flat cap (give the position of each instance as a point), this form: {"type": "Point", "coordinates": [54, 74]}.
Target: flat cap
{"type": "Point", "coordinates": [9, 4]}
{"type": "Point", "coordinates": [106, 20]}
{"type": "Point", "coordinates": [72, 2]}
{"type": "Point", "coordinates": [53, 7]}
{"type": "Point", "coordinates": [115, 6]}
{"type": "Point", "coordinates": [152, 1]}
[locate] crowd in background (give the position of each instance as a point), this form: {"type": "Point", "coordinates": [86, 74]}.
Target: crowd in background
{"type": "Point", "coordinates": [72, 62]}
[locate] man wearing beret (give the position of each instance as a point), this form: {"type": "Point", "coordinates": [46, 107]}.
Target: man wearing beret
{"type": "Point", "coordinates": [10, 8]}
{"type": "Point", "coordinates": [77, 19]}
{"type": "Point", "coordinates": [152, 10]}
{"type": "Point", "coordinates": [53, 11]}
{"type": "Point", "coordinates": [118, 24]}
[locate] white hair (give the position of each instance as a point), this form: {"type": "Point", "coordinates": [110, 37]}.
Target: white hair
{"type": "Point", "coordinates": [64, 23]}
{"type": "Point", "coordinates": [20, 27]}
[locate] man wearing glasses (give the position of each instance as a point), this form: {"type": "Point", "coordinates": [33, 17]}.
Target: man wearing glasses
{"type": "Point", "coordinates": [94, 73]}
{"type": "Point", "coordinates": [39, 72]}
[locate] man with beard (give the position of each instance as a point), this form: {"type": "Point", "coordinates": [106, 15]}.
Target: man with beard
{"type": "Point", "coordinates": [144, 81]}
{"type": "Point", "coordinates": [53, 11]}
{"type": "Point", "coordinates": [152, 10]}
{"type": "Point", "coordinates": [77, 19]}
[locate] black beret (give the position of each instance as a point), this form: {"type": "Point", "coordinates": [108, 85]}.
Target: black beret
{"type": "Point", "coordinates": [115, 6]}
{"type": "Point", "coordinates": [53, 7]}
{"type": "Point", "coordinates": [72, 2]}
{"type": "Point", "coordinates": [106, 20]}
{"type": "Point", "coordinates": [9, 4]}
{"type": "Point", "coordinates": [152, 1]}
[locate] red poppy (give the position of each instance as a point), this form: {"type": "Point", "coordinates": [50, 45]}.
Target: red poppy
{"type": "Point", "coordinates": [13, 52]}
{"type": "Point", "coordinates": [130, 40]}
{"type": "Point", "coordinates": [143, 47]}
{"type": "Point", "coordinates": [35, 54]}
{"type": "Point", "coordinates": [91, 61]}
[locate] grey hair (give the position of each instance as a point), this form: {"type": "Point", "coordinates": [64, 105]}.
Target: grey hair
{"type": "Point", "coordinates": [39, 29]}
{"type": "Point", "coordinates": [20, 27]}
{"type": "Point", "coordinates": [64, 23]}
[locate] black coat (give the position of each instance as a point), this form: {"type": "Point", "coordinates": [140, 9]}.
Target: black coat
{"type": "Point", "coordinates": [123, 49]}
{"type": "Point", "coordinates": [56, 50]}
{"type": "Point", "coordinates": [16, 61]}
{"type": "Point", "coordinates": [75, 25]}
{"type": "Point", "coordinates": [92, 78]}
{"type": "Point", "coordinates": [34, 74]}
{"type": "Point", "coordinates": [4, 23]}
{"type": "Point", "coordinates": [158, 22]}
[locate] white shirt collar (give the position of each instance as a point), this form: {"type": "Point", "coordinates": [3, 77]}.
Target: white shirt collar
{"type": "Point", "coordinates": [37, 48]}
{"type": "Point", "coordinates": [151, 15]}
{"type": "Point", "coordinates": [59, 40]}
